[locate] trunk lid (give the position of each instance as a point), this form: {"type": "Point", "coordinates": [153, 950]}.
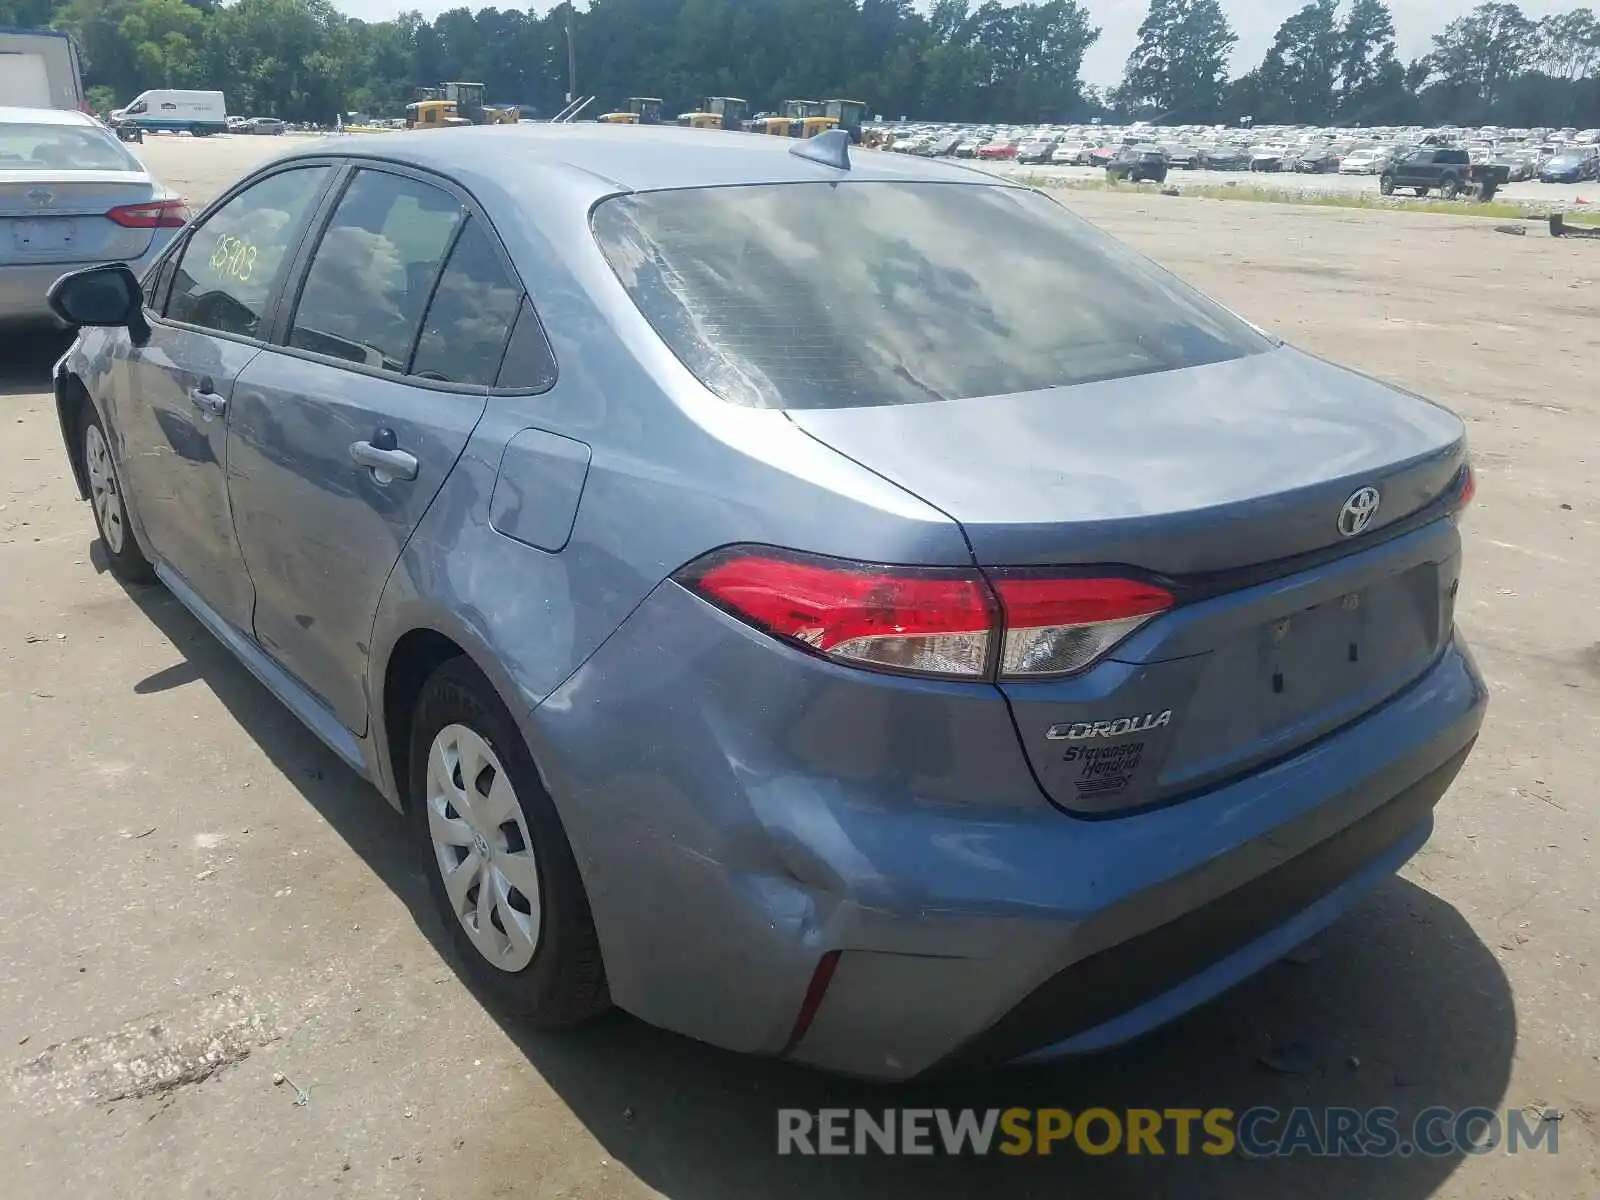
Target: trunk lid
{"type": "Point", "coordinates": [71, 226]}
{"type": "Point", "coordinates": [1228, 480]}
{"type": "Point", "coordinates": [1183, 472]}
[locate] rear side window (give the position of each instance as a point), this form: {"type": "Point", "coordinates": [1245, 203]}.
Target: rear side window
{"type": "Point", "coordinates": [471, 314]}
{"type": "Point", "coordinates": [1451, 156]}
{"type": "Point", "coordinates": [529, 365]}
{"type": "Point", "coordinates": [822, 295]}
{"type": "Point", "coordinates": [374, 269]}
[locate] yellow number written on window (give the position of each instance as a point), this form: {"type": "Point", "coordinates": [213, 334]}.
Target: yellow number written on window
{"type": "Point", "coordinates": [233, 258]}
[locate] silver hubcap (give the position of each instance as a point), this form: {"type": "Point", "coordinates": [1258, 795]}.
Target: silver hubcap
{"type": "Point", "coordinates": [482, 848]}
{"type": "Point", "coordinates": [103, 489]}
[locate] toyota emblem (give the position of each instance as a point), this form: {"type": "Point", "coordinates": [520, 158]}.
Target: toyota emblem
{"type": "Point", "coordinates": [1358, 511]}
{"type": "Point", "coordinates": [41, 197]}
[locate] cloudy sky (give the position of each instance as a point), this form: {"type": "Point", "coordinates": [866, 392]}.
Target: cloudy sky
{"type": "Point", "coordinates": [1254, 20]}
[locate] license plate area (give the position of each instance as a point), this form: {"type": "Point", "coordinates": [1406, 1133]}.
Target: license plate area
{"type": "Point", "coordinates": [1314, 657]}
{"type": "Point", "coordinates": [1291, 678]}
{"type": "Point", "coordinates": [42, 237]}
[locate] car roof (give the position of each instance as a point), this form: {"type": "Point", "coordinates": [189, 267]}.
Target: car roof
{"type": "Point", "coordinates": [626, 157]}
{"type": "Point", "coordinates": [15, 115]}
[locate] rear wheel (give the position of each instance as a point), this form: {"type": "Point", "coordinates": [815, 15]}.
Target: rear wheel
{"type": "Point", "coordinates": [1450, 187]}
{"type": "Point", "coordinates": [127, 560]}
{"type": "Point", "coordinates": [499, 865]}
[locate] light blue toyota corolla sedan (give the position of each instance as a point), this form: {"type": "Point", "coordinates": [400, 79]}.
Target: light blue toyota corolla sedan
{"type": "Point", "coordinates": [831, 604]}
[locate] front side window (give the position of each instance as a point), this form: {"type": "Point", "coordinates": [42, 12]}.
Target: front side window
{"type": "Point", "coordinates": [227, 270]}
{"type": "Point", "coordinates": [823, 295]}
{"type": "Point", "coordinates": [373, 271]}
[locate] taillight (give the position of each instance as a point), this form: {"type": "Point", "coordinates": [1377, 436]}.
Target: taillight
{"type": "Point", "coordinates": [948, 622]}
{"type": "Point", "coordinates": [157, 214]}
{"type": "Point", "coordinates": [923, 621]}
{"type": "Point", "coordinates": [1056, 626]}
{"type": "Point", "coordinates": [1467, 487]}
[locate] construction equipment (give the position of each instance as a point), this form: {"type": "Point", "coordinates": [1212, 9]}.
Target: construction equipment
{"type": "Point", "coordinates": [847, 115]}
{"type": "Point", "coordinates": [769, 124]}
{"type": "Point", "coordinates": [717, 112]}
{"type": "Point", "coordinates": [800, 109]}
{"type": "Point", "coordinates": [433, 114]}
{"type": "Point", "coordinates": [455, 103]}
{"type": "Point", "coordinates": [642, 110]}
{"type": "Point", "coordinates": [809, 127]}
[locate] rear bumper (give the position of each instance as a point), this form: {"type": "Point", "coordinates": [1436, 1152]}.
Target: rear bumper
{"type": "Point", "coordinates": [23, 288]}
{"type": "Point", "coordinates": [735, 822]}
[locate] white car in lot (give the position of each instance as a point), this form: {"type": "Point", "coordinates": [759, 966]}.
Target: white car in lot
{"type": "Point", "coordinates": [1364, 160]}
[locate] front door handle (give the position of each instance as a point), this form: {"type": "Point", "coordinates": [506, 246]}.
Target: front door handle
{"type": "Point", "coordinates": [384, 461]}
{"type": "Point", "coordinates": [203, 396]}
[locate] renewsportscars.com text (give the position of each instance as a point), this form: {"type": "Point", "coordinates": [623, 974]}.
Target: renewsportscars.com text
{"type": "Point", "coordinates": [1254, 1132]}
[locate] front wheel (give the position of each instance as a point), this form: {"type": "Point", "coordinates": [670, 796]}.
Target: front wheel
{"type": "Point", "coordinates": [1386, 184]}
{"type": "Point", "coordinates": [499, 865]}
{"type": "Point", "coordinates": [127, 560]}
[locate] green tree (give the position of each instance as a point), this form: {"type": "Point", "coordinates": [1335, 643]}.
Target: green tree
{"type": "Point", "coordinates": [1298, 74]}
{"type": "Point", "coordinates": [1477, 56]}
{"type": "Point", "coordinates": [1178, 69]}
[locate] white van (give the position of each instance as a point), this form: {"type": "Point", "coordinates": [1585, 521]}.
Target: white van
{"type": "Point", "coordinates": [175, 111]}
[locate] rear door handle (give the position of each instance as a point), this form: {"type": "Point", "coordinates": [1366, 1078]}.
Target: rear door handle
{"type": "Point", "coordinates": [203, 396]}
{"type": "Point", "coordinates": [386, 464]}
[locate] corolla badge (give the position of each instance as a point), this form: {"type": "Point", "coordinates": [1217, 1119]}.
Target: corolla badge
{"type": "Point", "coordinates": [1078, 730]}
{"type": "Point", "coordinates": [1358, 511]}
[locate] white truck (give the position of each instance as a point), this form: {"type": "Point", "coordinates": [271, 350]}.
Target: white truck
{"type": "Point", "coordinates": [39, 69]}
{"type": "Point", "coordinates": [174, 111]}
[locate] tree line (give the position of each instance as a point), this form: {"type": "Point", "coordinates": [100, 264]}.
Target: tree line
{"type": "Point", "coordinates": [1331, 62]}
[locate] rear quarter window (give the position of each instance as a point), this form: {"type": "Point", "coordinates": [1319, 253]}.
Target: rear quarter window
{"type": "Point", "coordinates": [855, 294]}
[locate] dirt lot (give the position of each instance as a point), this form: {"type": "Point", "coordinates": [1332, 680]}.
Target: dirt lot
{"type": "Point", "coordinates": [211, 898]}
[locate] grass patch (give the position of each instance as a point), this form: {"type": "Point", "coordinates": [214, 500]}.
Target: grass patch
{"type": "Point", "coordinates": [1257, 194]}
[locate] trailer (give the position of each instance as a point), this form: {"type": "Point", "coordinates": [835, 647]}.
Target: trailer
{"type": "Point", "coordinates": [39, 68]}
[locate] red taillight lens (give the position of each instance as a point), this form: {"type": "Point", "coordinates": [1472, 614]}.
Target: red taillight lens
{"type": "Point", "coordinates": [949, 622]}
{"type": "Point", "coordinates": [1469, 487]}
{"type": "Point", "coordinates": [158, 214]}
{"type": "Point", "coordinates": [921, 621]}
{"type": "Point", "coordinates": [1057, 626]}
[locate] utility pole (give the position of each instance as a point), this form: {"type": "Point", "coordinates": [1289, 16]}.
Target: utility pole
{"type": "Point", "coordinates": [572, 59]}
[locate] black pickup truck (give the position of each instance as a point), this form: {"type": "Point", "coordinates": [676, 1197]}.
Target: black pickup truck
{"type": "Point", "coordinates": [1445, 169]}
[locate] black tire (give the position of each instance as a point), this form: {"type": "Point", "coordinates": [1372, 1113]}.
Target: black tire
{"type": "Point", "coordinates": [127, 561]}
{"type": "Point", "coordinates": [1450, 187]}
{"type": "Point", "coordinates": [565, 983]}
{"type": "Point", "coordinates": [1386, 184]}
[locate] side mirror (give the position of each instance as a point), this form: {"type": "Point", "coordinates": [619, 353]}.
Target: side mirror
{"type": "Point", "coordinates": [101, 296]}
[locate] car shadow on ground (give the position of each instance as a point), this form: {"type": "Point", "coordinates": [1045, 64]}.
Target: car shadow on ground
{"type": "Point", "coordinates": [1400, 1005]}
{"type": "Point", "coordinates": [26, 357]}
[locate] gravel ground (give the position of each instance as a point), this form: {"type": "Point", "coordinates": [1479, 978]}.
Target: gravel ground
{"type": "Point", "coordinates": [236, 905]}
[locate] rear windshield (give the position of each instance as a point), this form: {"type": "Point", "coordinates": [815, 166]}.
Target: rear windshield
{"type": "Point", "coordinates": [822, 295]}
{"type": "Point", "coordinates": [40, 147]}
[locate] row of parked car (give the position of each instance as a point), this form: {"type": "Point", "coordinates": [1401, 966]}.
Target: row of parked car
{"type": "Point", "coordinates": [1552, 156]}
